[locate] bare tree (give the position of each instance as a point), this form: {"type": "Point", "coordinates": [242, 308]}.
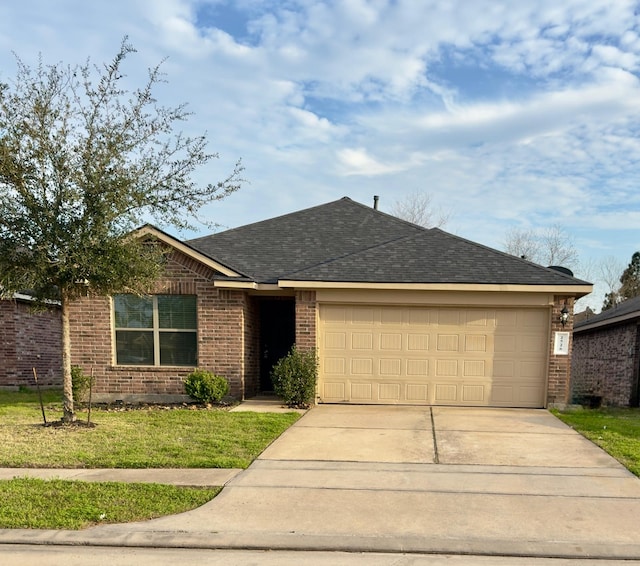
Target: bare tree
{"type": "Point", "coordinates": [546, 246]}
{"type": "Point", "coordinates": [417, 208]}
{"type": "Point", "coordinates": [609, 272]}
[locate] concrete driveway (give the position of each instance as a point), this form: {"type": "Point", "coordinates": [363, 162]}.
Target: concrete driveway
{"type": "Point", "coordinates": [414, 479]}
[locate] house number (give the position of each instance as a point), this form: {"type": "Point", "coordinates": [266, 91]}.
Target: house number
{"type": "Point", "coordinates": [561, 344]}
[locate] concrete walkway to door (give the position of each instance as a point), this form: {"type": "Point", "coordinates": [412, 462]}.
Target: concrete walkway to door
{"type": "Point", "coordinates": [414, 479]}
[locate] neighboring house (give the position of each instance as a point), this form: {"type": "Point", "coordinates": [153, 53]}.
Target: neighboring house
{"type": "Point", "coordinates": [397, 313]}
{"type": "Point", "coordinates": [29, 339]}
{"type": "Point", "coordinates": [583, 315]}
{"type": "Point", "coordinates": [606, 356]}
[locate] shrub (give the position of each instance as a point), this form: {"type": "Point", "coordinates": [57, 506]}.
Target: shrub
{"type": "Point", "coordinates": [206, 387]}
{"type": "Point", "coordinates": [294, 377]}
{"type": "Point", "coordinates": [80, 383]}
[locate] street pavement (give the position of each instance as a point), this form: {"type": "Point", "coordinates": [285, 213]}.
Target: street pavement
{"type": "Point", "coordinates": [410, 481]}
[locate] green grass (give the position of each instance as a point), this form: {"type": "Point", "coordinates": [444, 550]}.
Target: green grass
{"type": "Point", "coordinates": [59, 504]}
{"type": "Point", "coordinates": [143, 438]}
{"type": "Point", "coordinates": [615, 430]}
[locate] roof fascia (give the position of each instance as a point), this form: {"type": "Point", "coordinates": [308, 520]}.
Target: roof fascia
{"type": "Point", "coordinates": [185, 249]}
{"type": "Point", "coordinates": [250, 285]}
{"type": "Point", "coordinates": [608, 322]}
{"type": "Point", "coordinates": [577, 290]}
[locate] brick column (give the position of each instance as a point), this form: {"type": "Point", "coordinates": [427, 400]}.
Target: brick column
{"type": "Point", "coordinates": [306, 320]}
{"type": "Point", "coordinates": [559, 370]}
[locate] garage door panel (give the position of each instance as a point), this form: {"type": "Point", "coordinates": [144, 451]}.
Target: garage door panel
{"type": "Point", "coordinates": [392, 316]}
{"type": "Point", "coordinates": [335, 340]}
{"type": "Point", "coordinates": [474, 394]}
{"type": "Point", "coordinates": [446, 393]}
{"type": "Point", "coordinates": [362, 315]}
{"type": "Point", "coordinates": [449, 317]}
{"type": "Point", "coordinates": [417, 392]}
{"type": "Point", "coordinates": [389, 392]}
{"type": "Point", "coordinates": [389, 367]}
{"type": "Point", "coordinates": [361, 340]}
{"type": "Point", "coordinates": [448, 342]}
{"type": "Point", "coordinates": [333, 391]}
{"type": "Point", "coordinates": [417, 342]}
{"type": "Point", "coordinates": [361, 366]}
{"type": "Point", "coordinates": [446, 368]}
{"type": "Point", "coordinates": [475, 343]}
{"type": "Point", "coordinates": [402, 354]}
{"type": "Point", "coordinates": [334, 366]}
{"type": "Point", "coordinates": [391, 341]}
{"type": "Point", "coordinates": [474, 368]}
{"type": "Point", "coordinates": [361, 392]}
{"type": "Point", "coordinates": [505, 344]}
{"type": "Point", "coordinates": [504, 368]}
{"type": "Point", "coordinates": [417, 367]}
{"type": "Point", "coordinates": [422, 317]}
{"type": "Point", "coordinates": [334, 315]}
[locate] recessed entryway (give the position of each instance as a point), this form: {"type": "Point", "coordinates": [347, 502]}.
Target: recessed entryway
{"type": "Point", "coordinates": [277, 335]}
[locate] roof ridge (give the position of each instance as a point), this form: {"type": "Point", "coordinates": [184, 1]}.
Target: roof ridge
{"type": "Point", "coordinates": [388, 215]}
{"type": "Point", "coordinates": [264, 221]}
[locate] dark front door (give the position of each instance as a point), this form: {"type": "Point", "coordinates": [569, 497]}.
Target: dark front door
{"type": "Point", "coordinates": [277, 335]}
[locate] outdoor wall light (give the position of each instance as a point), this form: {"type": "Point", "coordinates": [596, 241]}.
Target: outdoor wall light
{"type": "Point", "coordinates": [564, 314]}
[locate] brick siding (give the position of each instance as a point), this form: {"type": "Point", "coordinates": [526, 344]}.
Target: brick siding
{"type": "Point", "coordinates": [29, 339]}
{"type": "Point", "coordinates": [224, 340]}
{"type": "Point", "coordinates": [559, 369]}
{"type": "Point", "coordinates": [605, 363]}
{"type": "Point", "coordinates": [306, 318]}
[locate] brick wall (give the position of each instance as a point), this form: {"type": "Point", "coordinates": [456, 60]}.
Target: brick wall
{"type": "Point", "coordinates": [29, 339]}
{"type": "Point", "coordinates": [559, 370]}
{"type": "Point", "coordinates": [221, 338]}
{"type": "Point", "coordinates": [251, 347]}
{"type": "Point", "coordinates": [306, 318]}
{"type": "Point", "coordinates": [605, 363]}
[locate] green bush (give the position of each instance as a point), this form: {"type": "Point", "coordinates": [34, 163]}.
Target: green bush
{"type": "Point", "coordinates": [80, 383]}
{"type": "Point", "coordinates": [206, 387]}
{"type": "Point", "coordinates": [294, 377]}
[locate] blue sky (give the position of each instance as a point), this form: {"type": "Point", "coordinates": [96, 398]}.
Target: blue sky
{"type": "Point", "coordinates": [508, 114]}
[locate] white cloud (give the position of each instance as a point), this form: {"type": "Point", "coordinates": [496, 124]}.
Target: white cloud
{"type": "Point", "coordinates": [506, 112]}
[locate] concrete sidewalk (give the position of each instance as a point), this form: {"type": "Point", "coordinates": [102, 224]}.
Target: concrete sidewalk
{"type": "Point", "coordinates": [409, 479]}
{"type": "Point", "coordinates": [202, 477]}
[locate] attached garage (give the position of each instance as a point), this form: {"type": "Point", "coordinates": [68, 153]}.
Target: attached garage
{"type": "Point", "coordinates": [433, 355]}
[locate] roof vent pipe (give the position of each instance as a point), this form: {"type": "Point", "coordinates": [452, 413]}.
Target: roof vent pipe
{"type": "Point", "coordinates": [376, 198]}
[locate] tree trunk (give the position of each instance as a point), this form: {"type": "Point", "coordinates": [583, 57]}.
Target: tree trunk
{"type": "Point", "coordinates": [69, 414]}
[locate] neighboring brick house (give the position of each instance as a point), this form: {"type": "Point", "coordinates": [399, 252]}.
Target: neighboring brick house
{"type": "Point", "coordinates": [29, 339]}
{"type": "Point", "coordinates": [398, 314]}
{"type": "Point", "coordinates": [606, 356]}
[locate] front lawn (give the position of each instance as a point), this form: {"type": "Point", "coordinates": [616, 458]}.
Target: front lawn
{"type": "Point", "coordinates": [59, 504]}
{"type": "Point", "coordinates": [615, 430]}
{"type": "Point", "coordinates": [143, 438]}
{"type": "Point", "coordinates": [151, 437]}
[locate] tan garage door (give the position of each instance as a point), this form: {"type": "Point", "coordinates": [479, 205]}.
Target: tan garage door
{"type": "Point", "coordinates": [433, 356]}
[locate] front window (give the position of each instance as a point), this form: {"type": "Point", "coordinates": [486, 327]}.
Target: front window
{"type": "Point", "coordinates": [158, 330]}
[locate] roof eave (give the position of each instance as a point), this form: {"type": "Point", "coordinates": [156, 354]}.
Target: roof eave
{"type": "Point", "coordinates": [575, 290]}
{"type": "Point", "coordinates": [608, 321]}
{"type": "Point", "coordinates": [185, 249]}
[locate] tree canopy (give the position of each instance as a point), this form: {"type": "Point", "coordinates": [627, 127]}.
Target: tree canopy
{"type": "Point", "coordinates": [83, 161]}
{"type": "Point", "coordinates": [629, 284]}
